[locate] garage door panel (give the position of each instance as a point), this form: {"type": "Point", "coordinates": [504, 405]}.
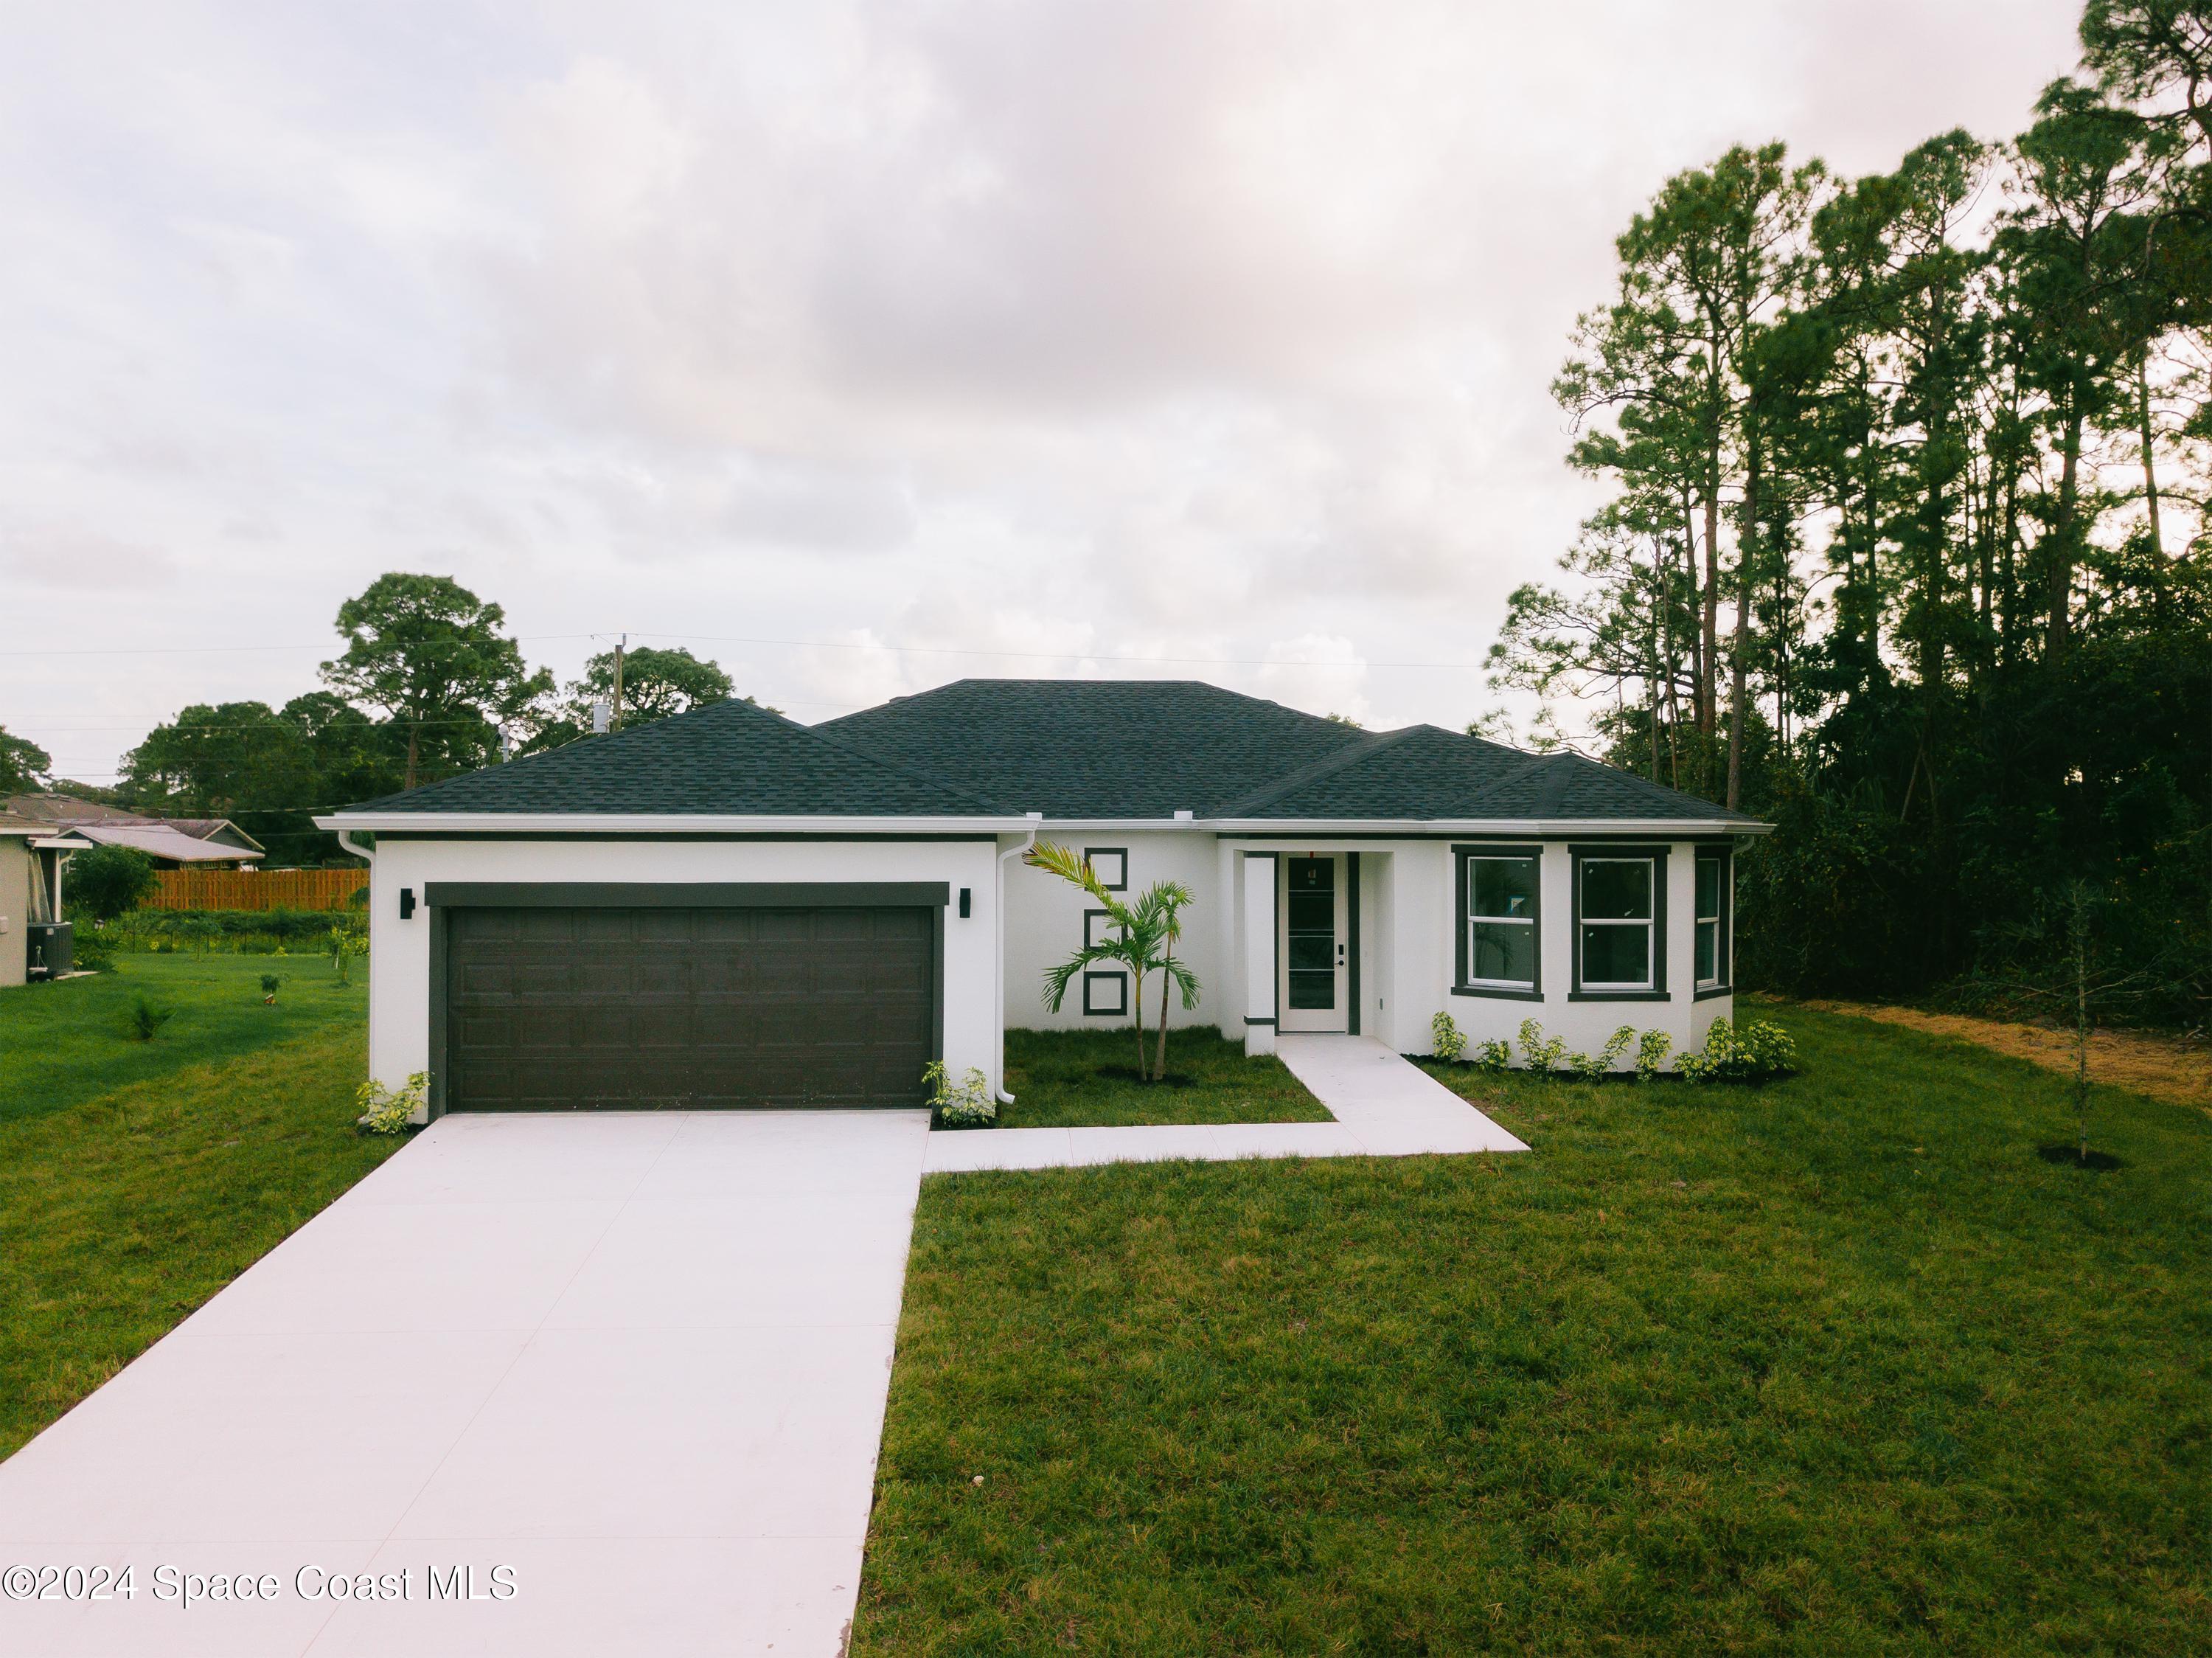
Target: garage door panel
{"type": "Point", "coordinates": [700, 1009]}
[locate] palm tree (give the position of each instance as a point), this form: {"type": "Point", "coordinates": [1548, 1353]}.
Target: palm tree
{"type": "Point", "coordinates": [1142, 940]}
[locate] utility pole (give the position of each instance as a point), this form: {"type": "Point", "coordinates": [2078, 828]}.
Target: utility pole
{"type": "Point", "coordinates": [619, 643]}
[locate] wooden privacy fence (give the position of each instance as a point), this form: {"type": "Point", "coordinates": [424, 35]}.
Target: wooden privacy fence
{"type": "Point", "coordinates": [254, 889]}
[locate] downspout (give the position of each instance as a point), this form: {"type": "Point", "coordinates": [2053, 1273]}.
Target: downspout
{"type": "Point", "coordinates": [366, 854]}
{"type": "Point", "coordinates": [998, 914]}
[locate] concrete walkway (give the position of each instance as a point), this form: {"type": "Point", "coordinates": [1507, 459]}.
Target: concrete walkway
{"type": "Point", "coordinates": [1383, 1106]}
{"type": "Point", "coordinates": [638, 1360]}
{"type": "Point", "coordinates": [625, 1372]}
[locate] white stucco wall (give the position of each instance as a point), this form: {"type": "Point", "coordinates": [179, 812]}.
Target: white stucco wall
{"type": "Point", "coordinates": [399, 952]}
{"type": "Point", "coordinates": [1424, 960]}
{"type": "Point", "coordinates": [15, 865]}
{"type": "Point", "coordinates": [1408, 952]}
{"type": "Point", "coordinates": [1044, 916]}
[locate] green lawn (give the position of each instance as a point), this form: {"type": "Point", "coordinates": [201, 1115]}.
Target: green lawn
{"type": "Point", "coordinates": [1840, 1365]}
{"type": "Point", "coordinates": [1078, 1079]}
{"type": "Point", "coordinates": [64, 1043]}
{"type": "Point", "coordinates": [120, 1215]}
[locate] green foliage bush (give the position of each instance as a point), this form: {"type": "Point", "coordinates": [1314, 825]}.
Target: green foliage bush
{"type": "Point", "coordinates": [1451, 1041]}
{"type": "Point", "coordinates": [1540, 1053]}
{"type": "Point", "coordinates": [1492, 1056]}
{"type": "Point", "coordinates": [391, 1111]}
{"type": "Point", "coordinates": [1591, 1066]}
{"type": "Point", "coordinates": [107, 881]}
{"type": "Point", "coordinates": [235, 932]}
{"type": "Point", "coordinates": [1651, 1051]}
{"type": "Point", "coordinates": [1751, 1053]}
{"type": "Point", "coordinates": [144, 1021]}
{"type": "Point", "coordinates": [965, 1104]}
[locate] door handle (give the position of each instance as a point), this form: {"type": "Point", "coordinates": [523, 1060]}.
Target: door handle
{"type": "Point", "coordinates": [1340, 955]}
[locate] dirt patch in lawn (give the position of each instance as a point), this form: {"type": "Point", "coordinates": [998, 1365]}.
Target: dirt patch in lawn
{"type": "Point", "coordinates": [2164, 1067]}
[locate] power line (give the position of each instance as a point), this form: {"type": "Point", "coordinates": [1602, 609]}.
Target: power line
{"type": "Point", "coordinates": [821, 644]}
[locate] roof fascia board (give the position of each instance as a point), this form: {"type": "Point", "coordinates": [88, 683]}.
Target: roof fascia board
{"type": "Point", "coordinates": [1542, 827]}
{"type": "Point", "coordinates": [698, 822]}
{"type": "Point", "coordinates": [659, 823]}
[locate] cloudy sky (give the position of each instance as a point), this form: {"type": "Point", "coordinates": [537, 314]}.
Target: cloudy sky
{"type": "Point", "coordinates": [861, 346]}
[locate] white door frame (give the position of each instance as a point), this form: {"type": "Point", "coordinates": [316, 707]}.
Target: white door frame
{"type": "Point", "coordinates": [1337, 1016]}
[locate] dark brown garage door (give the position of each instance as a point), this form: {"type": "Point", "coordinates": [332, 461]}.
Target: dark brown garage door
{"type": "Point", "coordinates": [579, 1009]}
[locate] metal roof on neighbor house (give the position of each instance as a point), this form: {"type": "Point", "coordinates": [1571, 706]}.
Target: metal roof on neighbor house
{"type": "Point", "coordinates": [67, 811]}
{"type": "Point", "coordinates": [158, 840]}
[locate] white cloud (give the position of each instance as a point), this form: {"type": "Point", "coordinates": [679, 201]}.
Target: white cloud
{"type": "Point", "coordinates": [1171, 328]}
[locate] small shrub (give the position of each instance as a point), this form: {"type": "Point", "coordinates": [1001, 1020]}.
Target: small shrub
{"type": "Point", "coordinates": [344, 944]}
{"type": "Point", "coordinates": [1591, 1066]}
{"type": "Point", "coordinates": [1538, 1052]}
{"type": "Point", "coordinates": [1751, 1053]}
{"type": "Point", "coordinates": [1651, 1051]}
{"type": "Point", "coordinates": [91, 953]}
{"type": "Point", "coordinates": [144, 1021]}
{"type": "Point", "coordinates": [1492, 1056]}
{"type": "Point", "coordinates": [391, 1111]}
{"type": "Point", "coordinates": [965, 1104]}
{"type": "Point", "coordinates": [1450, 1040]}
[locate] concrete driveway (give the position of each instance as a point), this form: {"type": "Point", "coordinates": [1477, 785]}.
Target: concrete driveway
{"type": "Point", "coordinates": [626, 1372]}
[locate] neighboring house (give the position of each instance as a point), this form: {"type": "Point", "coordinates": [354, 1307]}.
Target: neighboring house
{"type": "Point", "coordinates": [727, 908]}
{"type": "Point", "coordinates": [172, 843]}
{"type": "Point", "coordinates": [30, 900]}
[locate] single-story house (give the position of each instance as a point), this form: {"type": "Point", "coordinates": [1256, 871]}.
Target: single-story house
{"type": "Point", "coordinates": [172, 843]}
{"type": "Point", "coordinates": [728, 908]}
{"type": "Point", "coordinates": [32, 944]}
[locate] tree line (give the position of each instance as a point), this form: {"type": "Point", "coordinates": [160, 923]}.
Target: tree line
{"type": "Point", "coordinates": [429, 683]}
{"type": "Point", "coordinates": [1905, 548]}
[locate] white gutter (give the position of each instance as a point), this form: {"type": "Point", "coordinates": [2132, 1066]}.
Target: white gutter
{"type": "Point", "coordinates": [433, 823]}
{"type": "Point", "coordinates": [1543, 828]}
{"type": "Point", "coordinates": [998, 974]}
{"type": "Point", "coordinates": [659, 823]}
{"type": "Point", "coordinates": [366, 854]}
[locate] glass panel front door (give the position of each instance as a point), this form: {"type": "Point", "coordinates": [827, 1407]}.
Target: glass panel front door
{"type": "Point", "coordinates": [1315, 945]}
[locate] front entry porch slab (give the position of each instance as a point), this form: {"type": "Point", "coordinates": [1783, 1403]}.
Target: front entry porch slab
{"type": "Point", "coordinates": [1383, 1106]}
{"type": "Point", "coordinates": [1393, 1106]}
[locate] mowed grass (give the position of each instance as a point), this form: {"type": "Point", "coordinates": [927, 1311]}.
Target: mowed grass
{"type": "Point", "coordinates": [1839, 1365]}
{"type": "Point", "coordinates": [1078, 1079]}
{"type": "Point", "coordinates": [121, 1214]}
{"type": "Point", "coordinates": [66, 1042]}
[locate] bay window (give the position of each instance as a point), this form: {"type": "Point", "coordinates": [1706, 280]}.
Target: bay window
{"type": "Point", "coordinates": [1714, 895]}
{"type": "Point", "coordinates": [1621, 924]}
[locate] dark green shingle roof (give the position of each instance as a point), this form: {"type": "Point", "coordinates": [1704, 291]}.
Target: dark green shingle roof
{"type": "Point", "coordinates": [731, 759]}
{"type": "Point", "coordinates": [1067, 748]}
{"type": "Point", "coordinates": [1097, 748]}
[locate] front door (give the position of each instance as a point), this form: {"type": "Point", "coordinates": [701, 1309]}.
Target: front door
{"type": "Point", "coordinates": [1316, 942]}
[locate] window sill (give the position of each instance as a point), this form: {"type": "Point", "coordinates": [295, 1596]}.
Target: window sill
{"type": "Point", "coordinates": [1619, 995]}
{"type": "Point", "coordinates": [1498, 992]}
{"type": "Point", "coordinates": [1712, 991]}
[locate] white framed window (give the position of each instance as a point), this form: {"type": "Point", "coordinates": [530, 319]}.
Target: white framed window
{"type": "Point", "coordinates": [1620, 906]}
{"type": "Point", "coordinates": [1500, 926]}
{"type": "Point", "coordinates": [1714, 896]}
{"type": "Point", "coordinates": [1110, 864]}
{"type": "Point", "coordinates": [1106, 995]}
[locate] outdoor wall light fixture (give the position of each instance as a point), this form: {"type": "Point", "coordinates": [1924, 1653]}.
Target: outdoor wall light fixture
{"type": "Point", "coordinates": [965, 902]}
{"type": "Point", "coordinates": [407, 904]}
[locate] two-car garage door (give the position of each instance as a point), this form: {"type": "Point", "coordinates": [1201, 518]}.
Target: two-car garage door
{"type": "Point", "coordinates": [566, 1008]}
